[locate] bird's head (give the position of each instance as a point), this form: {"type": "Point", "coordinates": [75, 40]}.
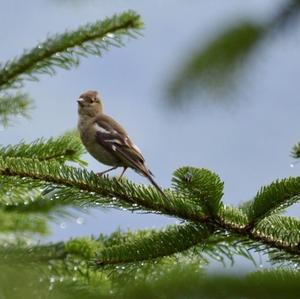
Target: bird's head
{"type": "Point", "coordinates": [89, 103]}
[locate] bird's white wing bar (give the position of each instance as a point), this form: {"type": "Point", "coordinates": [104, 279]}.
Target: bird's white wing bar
{"type": "Point", "coordinates": [110, 136]}
{"type": "Point", "coordinates": [111, 139]}
{"type": "Point", "coordinates": [101, 129]}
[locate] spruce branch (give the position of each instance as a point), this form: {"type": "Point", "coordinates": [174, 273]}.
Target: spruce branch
{"type": "Point", "coordinates": [110, 192]}
{"type": "Point", "coordinates": [18, 194]}
{"type": "Point", "coordinates": [216, 66]}
{"type": "Point", "coordinates": [67, 147]}
{"type": "Point", "coordinates": [23, 254]}
{"type": "Point", "coordinates": [14, 191]}
{"type": "Point", "coordinates": [187, 281]}
{"type": "Point", "coordinates": [233, 217]}
{"type": "Point", "coordinates": [25, 196]}
{"type": "Point", "coordinates": [279, 232]}
{"type": "Point", "coordinates": [154, 244]}
{"type": "Point", "coordinates": [64, 50]}
{"type": "Point", "coordinates": [223, 247]}
{"type": "Point", "coordinates": [273, 198]}
{"type": "Point", "coordinates": [217, 60]}
{"type": "Point", "coordinates": [201, 186]}
{"type": "Point", "coordinates": [14, 105]}
{"type": "Point", "coordinates": [16, 222]}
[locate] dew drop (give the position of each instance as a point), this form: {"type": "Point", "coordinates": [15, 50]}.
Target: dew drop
{"type": "Point", "coordinates": [63, 225]}
{"type": "Point", "coordinates": [110, 35]}
{"type": "Point", "coordinates": [52, 279]}
{"type": "Point", "coordinates": [79, 220]}
{"type": "Point", "coordinates": [292, 165]}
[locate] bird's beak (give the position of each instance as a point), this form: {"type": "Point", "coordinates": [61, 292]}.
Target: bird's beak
{"type": "Point", "coordinates": [80, 102]}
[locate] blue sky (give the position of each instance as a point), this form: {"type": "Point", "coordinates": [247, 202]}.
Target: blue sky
{"type": "Point", "coordinates": [247, 143]}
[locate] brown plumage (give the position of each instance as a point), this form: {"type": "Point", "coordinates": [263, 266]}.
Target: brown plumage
{"type": "Point", "coordinates": [106, 140]}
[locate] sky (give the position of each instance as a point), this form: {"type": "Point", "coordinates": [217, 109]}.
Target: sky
{"type": "Point", "coordinates": [246, 142]}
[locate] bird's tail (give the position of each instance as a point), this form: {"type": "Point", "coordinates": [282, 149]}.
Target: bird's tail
{"type": "Point", "coordinates": [149, 175]}
{"type": "Point", "coordinates": [150, 178]}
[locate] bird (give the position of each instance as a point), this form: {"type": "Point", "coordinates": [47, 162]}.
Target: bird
{"type": "Point", "coordinates": [107, 141]}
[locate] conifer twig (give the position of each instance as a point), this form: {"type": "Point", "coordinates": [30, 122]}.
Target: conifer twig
{"type": "Point", "coordinates": [114, 193]}
{"type": "Point", "coordinates": [14, 105]}
{"type": "Point", "coordinates": [64, 50]}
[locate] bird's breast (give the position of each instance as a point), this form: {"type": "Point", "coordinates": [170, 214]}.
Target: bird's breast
{"type": "Point", "coordinates": [88, 138]}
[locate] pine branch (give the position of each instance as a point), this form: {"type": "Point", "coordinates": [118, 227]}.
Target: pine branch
{"type": "Point", "coordinates": [223, 247]}
{"type": "Point", "coordinates": [22, 254]}
{"type": "Point", "coordinates": [279, 232]}
{"type": "Point", "coordinates": [176, 281]}
{"type": "Point", "coordinates": [109, 192]}
{"type": "Point", "coordinates": [14, 105]}
{"type": "Point", "coordinates": [85, 248]}
{"type": "Point", "coordinates": [16, 222]}
{"type": "Point", "coordinates": [217, 60]}
{"type": "Point", "coordinates": [187, 281]}
{"type": "Point", "coordinates": [273, 198]}
{"type": "Point", "coordinates": [64, 50]}
{"type": "Point", "coordinates": [14, 191]}
{"type": "Point", "coordinates": [201, 186]}
{"type": "Point", "coordinates": [67, 147]}
{"type": "Point", "coordinates": [21, 195]}
{"type": "Point", "coordinates": [154, 244]}
{"type": "Point", "coordinates": [233, 217]}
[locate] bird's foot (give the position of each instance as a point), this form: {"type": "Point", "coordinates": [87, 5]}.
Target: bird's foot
{"type": "Point", "coordinates": [121, 175]}
{"type": "Point", "coordinates": [106, 171]}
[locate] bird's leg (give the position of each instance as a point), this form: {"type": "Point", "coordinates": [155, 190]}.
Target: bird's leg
{"type": "Point", "coordinates": [108, 170]}
{"type": "Point", "coordinates": [125, 168]}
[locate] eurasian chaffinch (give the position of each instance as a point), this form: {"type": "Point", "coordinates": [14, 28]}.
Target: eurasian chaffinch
{"type": "Point", "coordinates": [106, 140]}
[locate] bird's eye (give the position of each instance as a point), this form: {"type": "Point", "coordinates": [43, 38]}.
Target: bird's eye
{"type": "Point", "coordinates": [90, 100]}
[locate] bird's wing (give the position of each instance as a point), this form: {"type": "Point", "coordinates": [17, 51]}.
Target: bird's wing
{"type": "Point", "coordinates": [115, 140]}
{"type": "Point", "coordinates": [111, 136]}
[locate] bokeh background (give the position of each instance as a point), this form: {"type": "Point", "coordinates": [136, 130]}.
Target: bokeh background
{"type": "Point", "coordinates": [240, 122]}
